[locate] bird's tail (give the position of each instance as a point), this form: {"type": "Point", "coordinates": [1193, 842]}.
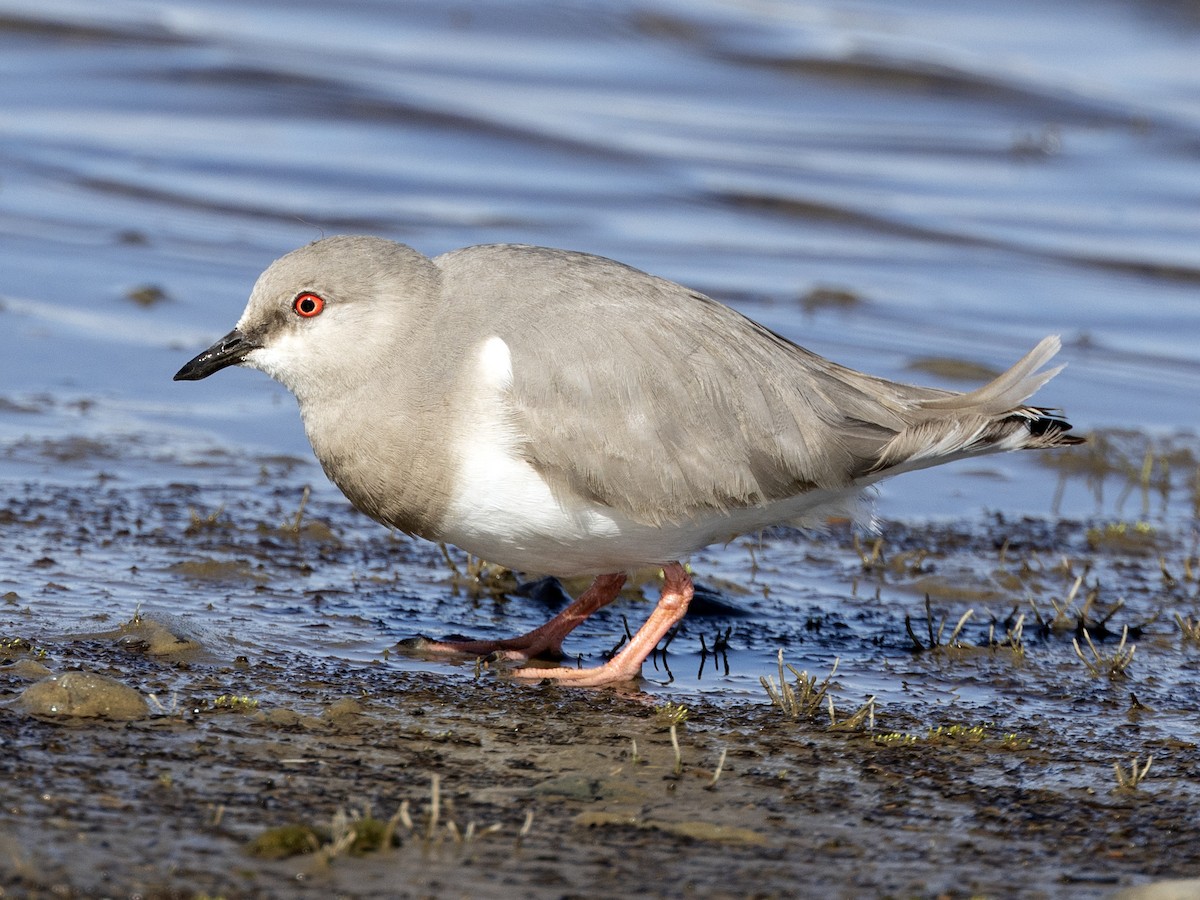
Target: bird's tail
{"type": "Point", "coordinates": [990, 419]}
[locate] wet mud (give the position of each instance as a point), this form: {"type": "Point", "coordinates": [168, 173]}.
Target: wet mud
{"type": "Point", "coordinates": [553, 793]}
{"type": "Point", "coordinates": [991, 755]}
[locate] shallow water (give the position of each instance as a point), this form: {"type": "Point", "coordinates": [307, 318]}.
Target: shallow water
{"type": "Point", "coordinates": [974, 178]}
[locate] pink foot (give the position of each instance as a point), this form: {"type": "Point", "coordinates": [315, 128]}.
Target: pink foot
{"type": "Point", "coordinates": [544, 641]}
{"type": "Point", "coordinates": [627, 665]}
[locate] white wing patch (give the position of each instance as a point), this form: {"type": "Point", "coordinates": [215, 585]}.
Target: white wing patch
{"type": "Point", "coordinates": [495, 364]}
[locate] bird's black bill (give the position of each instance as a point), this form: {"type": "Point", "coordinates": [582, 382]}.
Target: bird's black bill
{"type": "Point", "coordinates": [228, 351]}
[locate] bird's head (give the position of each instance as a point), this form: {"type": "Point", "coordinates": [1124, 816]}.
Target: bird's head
{"type": "Point", "coordinates": [322, 317]}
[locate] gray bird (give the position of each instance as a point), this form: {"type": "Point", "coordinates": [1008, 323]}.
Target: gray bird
{"type": "Point", "coordinates": [564, 414]}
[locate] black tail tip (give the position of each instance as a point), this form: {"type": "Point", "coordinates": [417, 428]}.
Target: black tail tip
{"type": "Point", "coordinates": [1051, 429]}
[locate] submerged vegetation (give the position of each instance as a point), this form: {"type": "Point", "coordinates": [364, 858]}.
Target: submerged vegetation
{"type": "Point", "coordinates": [358, 831]}
{"type": "Point", "coordinates": [1112, 664]}
{"type": "Point", "coordinates": [1129, 781]}
{"type": "Point", "coordinates": [805, 699]}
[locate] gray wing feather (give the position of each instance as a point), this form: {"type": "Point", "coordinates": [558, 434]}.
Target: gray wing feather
{"type": "Point", "coordinates": [662, 403]}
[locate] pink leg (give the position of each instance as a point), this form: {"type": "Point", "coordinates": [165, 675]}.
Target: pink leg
{"type": "Point", "coordinates": [546, 640]}
{"type": "Point", "coordinates": [627, 665]}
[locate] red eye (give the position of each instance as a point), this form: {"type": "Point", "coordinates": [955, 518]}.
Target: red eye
{"type": "Point", "coordinates": [308, 305]}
